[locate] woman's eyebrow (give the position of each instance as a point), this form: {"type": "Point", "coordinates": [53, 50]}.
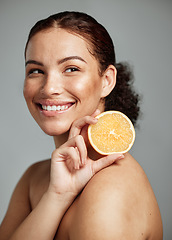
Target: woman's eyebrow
{"type": "Point", "coordinates": [59, 61]}
{"type": "Point", "coordinates": [33, 62]}
{"type": "Point", "coordinates": [71, 58]}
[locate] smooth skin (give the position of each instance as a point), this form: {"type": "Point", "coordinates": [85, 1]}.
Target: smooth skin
{"type": "Point", "coordinates": [78, 194]}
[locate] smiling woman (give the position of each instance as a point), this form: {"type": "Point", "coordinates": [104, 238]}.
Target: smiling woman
{"type": "Point", "coordinates": [50, 78]}
{"type": "Point", "coordinates": [72, 76]}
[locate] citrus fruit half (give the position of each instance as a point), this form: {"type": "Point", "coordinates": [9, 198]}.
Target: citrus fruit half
{"type": "Point", "coordinates": [113, 133]}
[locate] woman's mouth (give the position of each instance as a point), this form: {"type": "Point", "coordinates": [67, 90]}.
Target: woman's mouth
{"type": "Point", "coordinates": [55, 108]}
{"type": "Point", "coordinates": [52, 108]}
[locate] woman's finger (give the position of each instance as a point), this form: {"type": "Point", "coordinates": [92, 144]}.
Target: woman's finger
{"type": "Point", "coordinates": [80, 123]}
{"type": "Point", "coordinates": [97, 112]}
{"type": "Point", "coordinates": [73, 151]}
{"type": "Point", "coordinates": [105, 162]}
{"type": "Point", "coordinates": [67, 154]}
{"type": "Point", "coordinates": [82, 149]}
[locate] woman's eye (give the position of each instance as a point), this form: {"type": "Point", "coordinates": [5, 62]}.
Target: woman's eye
{"type": "Point", "coordinates": [71, 69]}
{"type": "Point", "coordinates": [35, 71]}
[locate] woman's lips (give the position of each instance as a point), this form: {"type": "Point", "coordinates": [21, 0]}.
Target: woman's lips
{"type": "Point", "coordinates": [51, 108]}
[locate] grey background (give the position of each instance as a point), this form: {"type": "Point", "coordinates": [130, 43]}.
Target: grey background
{"type": "Point", "coordinates": [142, 33]}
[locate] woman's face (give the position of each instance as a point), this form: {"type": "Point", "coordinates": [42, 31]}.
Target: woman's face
{"type": "Point", "coordinates": [62, 82]}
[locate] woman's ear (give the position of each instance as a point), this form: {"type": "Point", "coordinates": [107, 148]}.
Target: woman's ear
{"type": "Point", "coordinates": [108, 80]}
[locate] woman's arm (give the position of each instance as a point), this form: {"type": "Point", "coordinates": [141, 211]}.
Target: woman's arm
{"type": "Point", "coordinates": [21, 222]}
{"type": "Point", "coordinates": [71, 169]}
{"type": "Point", "coordinates": [43, 221]}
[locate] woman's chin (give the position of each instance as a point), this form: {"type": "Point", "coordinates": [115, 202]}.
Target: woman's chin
{"type": "Point", "coordinates": [55, 131]}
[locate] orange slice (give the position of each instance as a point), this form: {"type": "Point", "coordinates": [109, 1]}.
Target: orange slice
{"type": "Point", "coordinates": [113, 133]}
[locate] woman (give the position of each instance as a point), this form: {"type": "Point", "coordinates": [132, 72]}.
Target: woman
{"type": "Point", "coordinates": [71, 76]}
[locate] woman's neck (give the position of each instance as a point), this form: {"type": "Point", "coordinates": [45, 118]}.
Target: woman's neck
{"type": "Point", "coordinates": [60, 140]}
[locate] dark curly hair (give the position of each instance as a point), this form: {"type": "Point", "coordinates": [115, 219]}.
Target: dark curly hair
{"type": "Point", "coordinates": [123, 97]}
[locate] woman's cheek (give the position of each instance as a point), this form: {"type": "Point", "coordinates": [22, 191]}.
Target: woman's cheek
{"type": "Point", "coordinates": [30, 87]}
{"type": "Point", "coordinates": [83, 87]}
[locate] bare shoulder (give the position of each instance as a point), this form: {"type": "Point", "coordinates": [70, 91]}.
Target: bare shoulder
{"type": "Point", "coordinates": [39, 169]}
{"type": "Point", "coordinates": [20, 203]}
{"type": "Point", "coordinates": [118, 202]}
{"type": "Point", "coordinates": [39, 181]}
{"type": "Point", "coordinates": [35, 174]}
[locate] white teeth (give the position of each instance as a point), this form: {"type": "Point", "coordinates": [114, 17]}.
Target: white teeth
{"type": "Point", "coordinates": [44, 107]}
{"type": "Point", "coordinates": [62, 107]}
{"type": "Point", "coordinates": [49, 108]}
{"type": "Point", "coordinates": [54, 108]}
{"type": "Point", "coordinates": [58, 108]}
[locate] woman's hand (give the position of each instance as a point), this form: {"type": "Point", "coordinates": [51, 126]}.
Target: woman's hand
{"type": "Point", "coordinates": [71, 168]}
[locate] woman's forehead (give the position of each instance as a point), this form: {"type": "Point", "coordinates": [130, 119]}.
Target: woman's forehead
{"type": "Point", "coordinates": [59, 40]}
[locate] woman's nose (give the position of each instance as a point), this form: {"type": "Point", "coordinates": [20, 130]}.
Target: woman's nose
{"type": "Point", "coordinates": [52, 85]}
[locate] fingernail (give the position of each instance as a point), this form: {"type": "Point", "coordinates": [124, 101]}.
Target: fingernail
{"type": "Point", "coordinates": [97, 111]}
{"type": "Point", "coordinates": [120, 157]}
{"type": "Point", "coordinates": [76, 166]}
{"type": "Point", "coordinates": [95, 120]}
